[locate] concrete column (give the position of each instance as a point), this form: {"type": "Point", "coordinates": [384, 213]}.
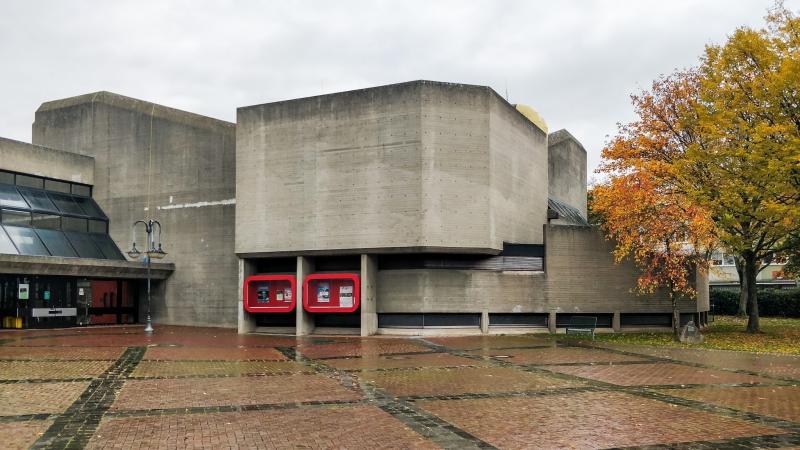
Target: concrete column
{"type": "Point", "coordinates": [304, 324]}
{"type": "Point", "coordinates": [551, 322]}
{"type": "Point", "coordinates": [369, 294]}
{"type": "Point", "coordinates": [616, 322]}
{"type": "Point", "coordinates": [247, 322]}
{"type": "Point", "coordinates": [485, 322]}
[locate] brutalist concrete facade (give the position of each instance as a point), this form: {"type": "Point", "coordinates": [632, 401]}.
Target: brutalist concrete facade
{"type": "Point", "coordinates": [434, 186]}
{"type": "Point", "coordinates": [439, 196]}
{"type": "Point", "coordinates": [159, 162]}
{"type": "Point", "coordinates": [421, 167]}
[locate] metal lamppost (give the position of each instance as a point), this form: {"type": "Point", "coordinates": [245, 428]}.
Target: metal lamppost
{"type": "Point", "coordinates": [150, 252]}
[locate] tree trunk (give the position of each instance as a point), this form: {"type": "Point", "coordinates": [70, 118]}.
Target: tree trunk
{"type": "Point", "coordinates": [676, 317]}
{"type": "Point", "coordinates": [742, 289]}
{"type": "Point", "coordinates": [751, 271]}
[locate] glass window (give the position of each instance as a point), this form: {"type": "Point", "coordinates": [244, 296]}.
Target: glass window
{"type": "Point", "coordinates": [26, 241]}
{"type": "Point", "coordinates": [38, 199]}
{"type": "Point", "coordinates": [107, 246]}
{"type": "Point", "coordinates": [73, 224]}
{"type": "Point", "coordinates": [48, 221]}
{"type": "Point", "coordinates": [729, 260]}
{"type": "Point", "coordinates": [84, 245]}
{"type": "Point", "coordinates": [716, 258]}
{"type": "Point", "coordinates": [17, 218]}
{"type": "Point", "coordinates": [57, 186]}
{"type": "Point", "coordinates": [89, 207]}
{"type": "Point", "coordinates": [83, 190]}
{"type": "Point", "coordinates": [65, 203]}
{"type": "Point", "coordinates": [6, 177]}
{"type": "Point", "coordinates": [56, 243]}
{"type": "Point", "coordinates": [34, 182]}
{"type": "Point", "coordinates": [10, 197]}
{"type": "Point", "coordinates": [6, 247]}
{"type": "Point", "coordinates": [98, 226]}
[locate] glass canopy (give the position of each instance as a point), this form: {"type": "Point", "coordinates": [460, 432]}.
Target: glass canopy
{"type": "Point", "coordinates": [38, 221]}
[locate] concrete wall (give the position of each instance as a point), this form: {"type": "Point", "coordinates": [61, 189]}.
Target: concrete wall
{"type": "Point", "coordinates": [45, 162]}
{"type": "Point", "coordinates": [419, 166]}
{"type": "Point", "coordinates": [518, 176]}
{"type": "Point", "coordinates": [161, 163]}
{"type": "Point", "coordinates": [567, 170]}
{"type": "Point", "coordinates": [580, 277]}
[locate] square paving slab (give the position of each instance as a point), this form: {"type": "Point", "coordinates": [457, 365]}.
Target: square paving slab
{"type": "Point", "coordinates": [782, 402]}
{"type": "Point", "coordinates": [37, 398]}
{"type": "Point", "coordinates": [21, 435]}
{"type": "Point", "coordinates": [367, 347]}
{"type": "Point", "coordinates": [403, 361]}
{"type": "Point", "coordinates": [214, 353]}
{"type": "Point", "coordinates": [564, 421]}
{"type": "Point", "coordinates": [196, 392]}
{"type": "Point", "coordinates": [61, 353]}
{"type": "Point", "coordinates": [657, 374]}
{"type": "Point", "coordinates": [556, 355]}
{"type": "Point", "coordinates": [214, 368]}
{"type": "Point", "coordinates": [489, 342]}
{"type": "Point", "coordinates": [356, 427]}
{"type": "Point", "coordinates": [430, 382]}
{"type": "Point", "coordinates": [51, 370]}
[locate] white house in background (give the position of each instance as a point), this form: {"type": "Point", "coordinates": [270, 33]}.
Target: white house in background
{"type": "Point", "coordinates": [723, 273]}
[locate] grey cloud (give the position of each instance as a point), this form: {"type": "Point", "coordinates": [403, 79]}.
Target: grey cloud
{"type": "Point", "coordinates": [574, 61]}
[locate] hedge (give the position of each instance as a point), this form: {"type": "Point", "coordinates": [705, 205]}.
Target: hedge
{"type": "Point", "coordinates": [771, 302]}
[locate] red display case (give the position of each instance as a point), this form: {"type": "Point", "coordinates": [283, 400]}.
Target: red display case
{"type": "Point", "coordinates": [270, 293]}
{"type": "Point", "coordinates": [331, 293]}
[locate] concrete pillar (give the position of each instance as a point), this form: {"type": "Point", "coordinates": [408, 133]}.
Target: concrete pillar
{"type": "Point", "coordinates": [616, 322]}
{"type": "Point", "coordinates": [485, 322]}
{"type": "Point", "coordinates": [304, 324]}
{"type": "Point", "coordinates": [369, 294]}
{"type": "Point", "coordinates": [247, 322]}
{"type": "Point", "coordinates": [551, 322]}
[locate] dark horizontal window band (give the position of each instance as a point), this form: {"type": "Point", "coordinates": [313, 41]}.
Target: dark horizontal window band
{"type": "Point", "coordinates": [429, 320]}
{"type": "Point", "coordinates": [534, 320]}
{"type": "Point", "coordinates": [22, 179]}
{"type": "Point", "coordinates": [461, 262]}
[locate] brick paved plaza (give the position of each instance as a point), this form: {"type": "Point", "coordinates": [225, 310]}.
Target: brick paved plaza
{"type": "Point", "coordinates": [183, 387]}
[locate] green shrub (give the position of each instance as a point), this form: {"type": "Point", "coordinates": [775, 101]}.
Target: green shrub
{"type": "Point", "coordinates": [771, 302]}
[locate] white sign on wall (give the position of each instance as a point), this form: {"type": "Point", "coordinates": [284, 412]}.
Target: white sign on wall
{"type": "Point", "coordinates": [346, 296]}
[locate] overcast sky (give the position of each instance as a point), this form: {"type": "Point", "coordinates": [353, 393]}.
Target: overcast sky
{"type": "Point", "coordinates": [576, 62]}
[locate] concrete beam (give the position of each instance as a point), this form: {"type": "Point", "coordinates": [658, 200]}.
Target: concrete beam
{"type": "Point", "coordinates": [82, 267]}
{"type": "Point", "coordinates": [246, 322]}
{"type": "Point", "coordinates": [369, 297]}
{"type": "Point", "coordinates": [45, 162]}
{"type": "Point", "coordinates": [304, 324]}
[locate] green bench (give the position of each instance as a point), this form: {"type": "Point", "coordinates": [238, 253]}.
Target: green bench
{"type": "Point", "coordinates": [582, 325]}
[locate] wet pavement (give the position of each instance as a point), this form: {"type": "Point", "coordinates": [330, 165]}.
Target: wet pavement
{"type": "Point", "coordinates": [185, 387]}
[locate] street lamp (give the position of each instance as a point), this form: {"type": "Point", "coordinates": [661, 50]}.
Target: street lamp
{"type": "Point", "coordinates": [151, 251]}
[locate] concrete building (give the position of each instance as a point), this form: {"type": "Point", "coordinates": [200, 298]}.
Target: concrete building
{"type": "Point", "coordinates": [395, 209]}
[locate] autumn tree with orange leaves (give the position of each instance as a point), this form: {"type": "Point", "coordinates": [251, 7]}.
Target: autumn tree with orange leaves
{"type": "Point", "coordinates": [642, 206]}
{"type": "Point", "coordinates": [714, 155]}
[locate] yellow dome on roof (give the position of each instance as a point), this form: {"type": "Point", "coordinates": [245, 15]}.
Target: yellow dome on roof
{"type": "Point", "coordinates": [533, 116]}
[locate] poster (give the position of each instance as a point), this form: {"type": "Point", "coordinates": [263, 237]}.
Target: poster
{"type": "Point", "coordinates": [288, 294]}
{"type": "Point", "coordinates": [47, 295]}
{"type": "Point", "coordinates": [324, 293]}
{"type": "Point", "coordinates": [24, 288]}
{"type": "Point", "coordinates": [263, 294]}
{"type": "Point", "coordinates": [279, 296]}
{"type": "Point", "coordinates": [346, 296]}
